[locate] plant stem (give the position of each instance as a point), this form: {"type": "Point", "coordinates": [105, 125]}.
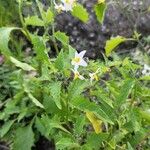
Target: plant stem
{"type": "Point", "coordinates": [54, 40]}
{"type": "Point", "coordinates": [53, 30]}
{"type": "Point", "coordinates": [22, 21]}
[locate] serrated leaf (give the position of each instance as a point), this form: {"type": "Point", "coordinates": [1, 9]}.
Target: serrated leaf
{"type": "Point", "coordinates": [76, 88]}
{"type": "Point", "coordinates": [85, 105]}
{"type": "Point", "coordinates": [62, 37]}
{"type": "Point", "coordinates": [105, 105]}
{"type": "Point", "coordinates": [4, 39]}
{"type": "Point", "coordinates": [48, 16]}
{"type": "Point", "coordinates": [63, 59]}
{"type": "Point", "coordinates": [80, 12]}
{"type": "Point", "coordinates": [113, 43]}
{"type": "Point", "coordinates": [124, 92]}
{"type": "Point", "coordinates": [45, 124]}
{"type": "Point", "coordinates": [22, 114]}
{"type": "Point", "coordinates": [138, 137]}
{"type": "Point", "coordinates": [21, 65]}
{"type": "Point", "coordinates": [95, 140]}
{"type": "Point", "coordinates": [24, 138]}
{"type": "Point", "coordinates": [100, 10]}
{"type": "Point", "coordinates": [60, 62]}
{"type": "Point", "coordinates": [96, 123]}
{"type": "Point", "coordinates": [40, 127]}
{"type": "Point", "coordinates": [34, 100]}
{"type": "Point", "coordinates": [55, 90]}
{"type": "Point", "coordinates": [34, 21]}
{"type": "Point", "coordinates": [39, 47]}
{"type": "Point", "coordinates": [6, 127]}
{"type": "Point", "coordinates": [66, 143]}
{"type": "Point", "coordinates": [79, 124]}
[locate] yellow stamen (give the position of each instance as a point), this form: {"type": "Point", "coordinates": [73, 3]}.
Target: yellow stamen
{"type": "Point", "coordinates": [76, 59]}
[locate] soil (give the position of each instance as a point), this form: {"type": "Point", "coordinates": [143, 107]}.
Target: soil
{"type": "Point", "coordinates": [44, 144]}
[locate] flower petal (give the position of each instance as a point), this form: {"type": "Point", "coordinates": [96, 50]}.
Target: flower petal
{"type": "Point", "coordinates": [76, 67]}
{"type": "Point", "coordinates": [67, 7]}
{"type": "Point", "coordinates": [81, 54]}
{"type": "Point", "coordinates": [81, 77]}
{"type": "Point", "coordinates": [76, 54]}
{"type": "Point", "coordinates": [83, 63]}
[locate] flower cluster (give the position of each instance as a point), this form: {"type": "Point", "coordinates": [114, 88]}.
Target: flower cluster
{"type": "Point", "coordinates": [78, 61]}
{"type": "Point", "coordinates": [66, 5]}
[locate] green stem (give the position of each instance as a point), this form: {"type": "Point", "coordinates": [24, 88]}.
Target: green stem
{"type": "Point", "coordinates": [53, 30]}
{"type": "Point", "coordinates": [54, 40]}
{"type": "Point", "coordinates": [67, 115]}
{"type": "Point", "coordinates": [22, 21]}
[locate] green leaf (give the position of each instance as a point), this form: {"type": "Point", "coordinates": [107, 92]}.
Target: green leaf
{"type": "Point", "coordinates": [63, 60]}
{"type": "Point", "coordinates": [21, 65]}
{"type": "Point", "coordinates": [24, 138]}
{"type": "Point", "coordinates": [95, 140]}
{"type": "Point", "coordinates": [22, 114]}
{"type": "Point", "coordinates": [60, 61]}
{"type": "Point", "coordinates": [113, 43]}
{"type": "Point", "coordinates": [45, 124]}
{"type": "Point", "coordinates": [129, 146]}
{"type": "Point", "coordinates": [40, 126]}
{"type": "Point", "coordinates": [80, 12]}
{"type": "Point", "coordinates": [79, 124]}
{"type": "Point", "coordinates": [34, 100]}
{"type": "Point", "coordinates": [85, 105]}
{"type": "Point", "coordinates": [55, 89]}
{"type": "Point", "coordinates": [39, 47]}
{"type": "Point", "coordinates": [62, 37]}
{"type": "Point", "coordinates": [4, 39]}
{"type": "Point", "coordinates": [76, 88]}
{"type": "Point", "coordinates": [138, 137]}
{"type": "Point", "coordinates": [6, 127]}
{"type": "Point", "coordinates": [68, 143]}
{"type": "Point", "coordinates": [48, 16]}
{"type": "Point", "coordinates": [105, 105]}
{"type": "Point", "coordinates": [100, 11]}
{"type": "Point", "coordinates": [125, 91]}
{"type": "Point", "coordinates": [145, 78]}
{"type": "Point", "coordinates": [34, 21]}
{"type": "Point", "coordinates": [145, 115]}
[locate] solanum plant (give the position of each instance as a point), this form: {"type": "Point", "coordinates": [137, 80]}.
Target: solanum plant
{"type": "Point", "coordinates": [75, 102]}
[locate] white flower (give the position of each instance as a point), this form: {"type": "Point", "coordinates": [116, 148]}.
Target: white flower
{"type": "Point", "coordinates": [71, 2]}
{"type": "Point", "coordinates": [77, 75]}
{"type": "Point", "coordinates": [78, 60]}
{"type": "Point", "coordinates": [59, 7]}
{"type": "Point", "coordinates": [93, 76]}
{"type": "Point", "coordinates": [67, 5]}
{"type": "Point", "coordinates": [146, 70]}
